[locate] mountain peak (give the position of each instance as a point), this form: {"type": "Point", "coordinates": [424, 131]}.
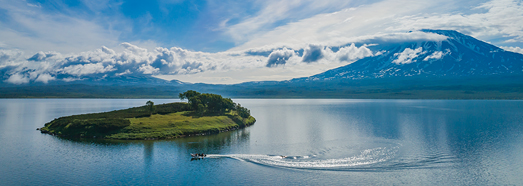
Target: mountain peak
{"type": "Point", "coordinates": [443, 32]}
{"type": "Point", "coordinates": [458, 55]}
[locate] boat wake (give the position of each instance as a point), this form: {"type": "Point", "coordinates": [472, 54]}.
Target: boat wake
{"type": "Point", "coordinates": [366, 157]}
{"type": "Point", "coordinates": [374, 159]}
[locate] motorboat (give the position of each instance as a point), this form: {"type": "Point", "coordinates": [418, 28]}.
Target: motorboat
{"type": "Point", "coordinates": [198, 155]}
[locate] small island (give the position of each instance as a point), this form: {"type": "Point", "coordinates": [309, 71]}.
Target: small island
{"type": "Point", "coordinates": [203, 114]}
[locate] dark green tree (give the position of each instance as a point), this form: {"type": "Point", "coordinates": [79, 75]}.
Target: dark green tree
{"type": "Point", "coordinates": [188, 94]}
{"type": "Point", "coordinates": [242, 111]}
{"type": "Point", "coordinates": [150, 107]}
{"type": "Point", "coordinates": [210, 103]}
{"type": "Point", "coordinates": [228, 104]}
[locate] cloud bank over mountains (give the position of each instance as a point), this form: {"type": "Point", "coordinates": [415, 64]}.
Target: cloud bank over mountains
{"type": "Point", "coordinates": [255, 40]}
{"type": "Point", "coordinates": [133, 60]}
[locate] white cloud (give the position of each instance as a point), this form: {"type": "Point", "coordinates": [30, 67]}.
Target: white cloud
{"type": "Point", "coordinates": [351, 53]}
{"type": "Point", "coordinates": [18, 79]}
{"type": "Point", "coordinates": [124, 73]}
{"type": "Point", "coordinates": [436, 55]}
{"type": "Point", "coordinates": [9, 57]}
{"type": "Point", "coordinates": [92, 68]}
{"type": "Point", "coordinates": [279, 57]}
{"type": "Point", "coordinates": [108, 50]}
{"type": "Point", "coordinates": [44, 78]}
{"type": "Point", "coordinates": [513, 49]}
{"type": "Point", "coordinates": [70, 79]}
{"type": "Point", "coordinates": [41, 56]}
{"type": "Point", "coordinates": [132, 48]}
{"type": "Point", "coordinates": [408, 56]}
{"type": "Point", "coordinates": [313, 53]}
{"type": "Point", "coordinates": [147, 69]}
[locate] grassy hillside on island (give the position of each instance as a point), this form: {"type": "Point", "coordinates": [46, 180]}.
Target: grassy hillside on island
{"type": "Point", "coordinates": [204, 114]}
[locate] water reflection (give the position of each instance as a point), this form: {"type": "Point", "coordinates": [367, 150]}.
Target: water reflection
{"type": "Point", "coordinates": [417, 142]}
{"type": "Point", "coordinates": [213, 143]}
{"type": "Point", "coordinates": [148, 152]}
{"type": "Point", "coordinates": [197, 144]}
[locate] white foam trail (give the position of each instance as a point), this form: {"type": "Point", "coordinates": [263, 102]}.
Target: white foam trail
{"type": "Point", "coordinates": [366, 157]}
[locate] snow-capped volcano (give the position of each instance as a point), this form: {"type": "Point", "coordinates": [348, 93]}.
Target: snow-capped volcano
{"type": "Point", "coordinates": [457, 55]}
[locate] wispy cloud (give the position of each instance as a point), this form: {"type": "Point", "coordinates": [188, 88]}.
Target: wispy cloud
{"type": "Point", "coordinates": [501, 20]}
{"type": "Point", "coordinates": [335, 26]}
{"type": "Point", "coordinates": [275, 12]}
{"type": "Point", "coordinates": [27, 27]}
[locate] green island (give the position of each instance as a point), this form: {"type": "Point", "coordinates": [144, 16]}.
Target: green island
{"type": "Point", "coordinates": [203, 114]}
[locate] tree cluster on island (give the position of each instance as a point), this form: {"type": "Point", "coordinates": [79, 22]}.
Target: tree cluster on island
{"type": "Point", "coordinates": [206, 103]}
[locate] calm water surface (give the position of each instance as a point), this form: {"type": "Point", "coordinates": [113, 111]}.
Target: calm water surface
{"type": "Point", "coordinates": [324, 142]}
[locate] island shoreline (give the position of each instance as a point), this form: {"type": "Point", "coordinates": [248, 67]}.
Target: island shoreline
{"type": "Point", "coordinates": [204, 114]}
{"type": "Point", "coordinates": [203, 133]}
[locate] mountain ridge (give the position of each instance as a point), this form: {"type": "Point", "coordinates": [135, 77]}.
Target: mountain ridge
{"type": "Point", "coordinates": [458, 55]}
{"type": "Point", "coordinates": [458, 67]}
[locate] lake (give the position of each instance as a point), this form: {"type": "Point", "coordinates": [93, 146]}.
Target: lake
{"type": "Point", "coordinates": [322, 141]}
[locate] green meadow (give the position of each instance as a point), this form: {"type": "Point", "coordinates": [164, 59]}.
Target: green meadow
{"type": "Point", "coordinates": [180, 124]}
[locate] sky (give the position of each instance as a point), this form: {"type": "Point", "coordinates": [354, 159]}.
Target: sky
{"type": "Point", "coordinates": [226, 41]}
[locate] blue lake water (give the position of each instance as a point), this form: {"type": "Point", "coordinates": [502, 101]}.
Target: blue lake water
{"type": "Point", "coordinates": [326, 142]}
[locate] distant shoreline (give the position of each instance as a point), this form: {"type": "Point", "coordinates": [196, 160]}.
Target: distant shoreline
{"type": "Point", "coordinates": [495, 90]}
{"type": "Point", "coordinates": [436, 95]}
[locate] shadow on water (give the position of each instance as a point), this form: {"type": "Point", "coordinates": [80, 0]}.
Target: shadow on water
{"type": "Point", "coordinates": [213, 141]}
{"type": "Point", "coordinates": [206, 144]}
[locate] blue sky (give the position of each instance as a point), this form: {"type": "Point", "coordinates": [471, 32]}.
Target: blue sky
{"type": "Point", "coordinates": [206, 40]}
